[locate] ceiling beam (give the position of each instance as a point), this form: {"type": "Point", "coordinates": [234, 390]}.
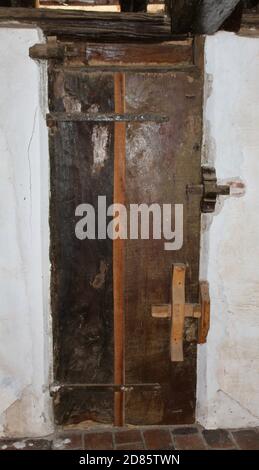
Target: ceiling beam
{"type": "Point", "coordinates": [200, 16]}
{"type": "Point", "coordinates": [212, 14]}
{"type": "Point", "coordinates": [18, 3]}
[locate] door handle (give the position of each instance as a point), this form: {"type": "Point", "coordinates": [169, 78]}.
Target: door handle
{"type": "Point", "coordinates": [209, 190]}
{"type": "Point", "coordinates": [178, 310]}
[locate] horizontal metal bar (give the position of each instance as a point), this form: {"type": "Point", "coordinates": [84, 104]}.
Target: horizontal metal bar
{"type": "Point", "coordinates": [57, 387]}
{"type": "Point", "coordinates": [107, 117]}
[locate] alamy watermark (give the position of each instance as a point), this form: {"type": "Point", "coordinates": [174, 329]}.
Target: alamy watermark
{"type": "Point", "coordinates": [138, 221]}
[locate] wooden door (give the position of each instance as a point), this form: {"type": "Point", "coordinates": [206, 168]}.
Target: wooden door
{"type": "Point", "coordinates": [126, 123]}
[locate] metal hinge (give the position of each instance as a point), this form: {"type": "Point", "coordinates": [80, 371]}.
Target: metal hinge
{"type": "Point", "coordinates": [57, 387]}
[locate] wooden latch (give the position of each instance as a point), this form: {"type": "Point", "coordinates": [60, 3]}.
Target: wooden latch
{"type": "Point", "coordinates": [208, 190]}
{"type": "Point", "coordinates": [178, 310]}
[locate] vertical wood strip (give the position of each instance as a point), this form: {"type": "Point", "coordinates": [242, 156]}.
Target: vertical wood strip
{"type": "Point", "coordinates": [118, 248]}
{"type": "Point", "coordinates": [204, 321]}
{"type": "Point", "coordinates": [178, 312]}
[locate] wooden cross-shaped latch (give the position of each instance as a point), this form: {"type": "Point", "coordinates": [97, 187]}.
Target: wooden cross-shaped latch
{"type": "Point", "coordinates": [178, 310]}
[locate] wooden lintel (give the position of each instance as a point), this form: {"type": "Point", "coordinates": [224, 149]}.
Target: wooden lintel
{"type": "Point", "coordinates": [99, 54]}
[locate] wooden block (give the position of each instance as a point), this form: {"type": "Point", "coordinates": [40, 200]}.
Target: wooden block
{"type": "Point", "coordinates": [204, 322]}
{"type": "Point", "coordinates": [193, 310]}
{"type": "Point", "coordinates": [161, 311]}
{"type": "Point", "coordinates": [188, 311]}
{"type": "Point", "coordinates": [178, 312]}
{"type": "Point", "coordinates": [164, 311]}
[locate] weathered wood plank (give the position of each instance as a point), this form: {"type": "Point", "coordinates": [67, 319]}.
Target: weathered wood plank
{"type": "Point", "coordinates": [140, 54]}
{"type": "Point", "coordinates": [250, 20]}
{"type": "Point", "coordinates": [161, 160]}
{"type": "Point", "coordinates": [18, 3]}
{"type": "Point", "coordinates": [212, 14]}
{"type": "Point", "coordinates": [82, 278]}
{"type": "Point", "coordinates": [80, 2]}
{"type": "Point", "coordinates": [90, 2]}
{"type": "Point", "coordinates": [204, 321]}
{"type": "Point", "coordinates": [117, 54]}
{"type": "Point", "coordinates": [92, 25]}
{"type": "Point", "coordinates": [47, 14]}
{"type": "Point", "coordinates": [183, 13]}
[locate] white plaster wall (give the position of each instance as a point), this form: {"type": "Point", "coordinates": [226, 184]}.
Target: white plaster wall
{"type": "Point", "coordinates": [228, 366]}
{"type": "Point", "coordinates": [24, 263]}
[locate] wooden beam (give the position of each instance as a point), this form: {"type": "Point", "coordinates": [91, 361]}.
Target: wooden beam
{"type": "Point", "coordinates": [212, 14]}
{"type": "Point", "coordinates": [183, 13]}
{"type": "Point", "coordinates": [251, 4]}
{"type": "Point", "coordinates": [200, 17]}
{"type": "Point", "coordinates": [18, 3]}
{"type": "Point", "coordinates": [178, 54]}
{"type": "Point", "coordinates": [92, 25]}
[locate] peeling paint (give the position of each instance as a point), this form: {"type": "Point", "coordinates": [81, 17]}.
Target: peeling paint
{"type": "Point", "coordinates": [72, 104]}
{"type": "Point", "coordinates": [100, 142]}
{"type": "Point", "coordinates": [60, 443]}
{"type": "Point", "coordinates": [19, 445]}
{"type": "Point", "coordinates": [24, 225]}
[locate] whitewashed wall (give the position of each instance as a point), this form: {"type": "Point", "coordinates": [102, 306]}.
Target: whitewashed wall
{"type": "Point", "coordinates": [228, 366]}
{"type": "Point", "coordinates": [24, 236]}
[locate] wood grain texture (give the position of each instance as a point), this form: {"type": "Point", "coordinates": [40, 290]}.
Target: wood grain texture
{"type": "Point", "coordinates": [161, 160]}
{"type": "Point", "coordinates": [118, 248]}
{"type": "Point", "coordinates": [92, 25]}
{"type": "Point", "coordinates": [82, 278]}
{"type": "Point", "coordinates": [178, 312]}
{"type": "Point", "coordinates": [99, 54]}
{"type": "Point", "coordinates": [204, 321]}
{"type": "Point", "coordinates": [140, 54]}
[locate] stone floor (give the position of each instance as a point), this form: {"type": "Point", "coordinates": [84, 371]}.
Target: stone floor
{"type": "Point", "coordinates": [150, 438]}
